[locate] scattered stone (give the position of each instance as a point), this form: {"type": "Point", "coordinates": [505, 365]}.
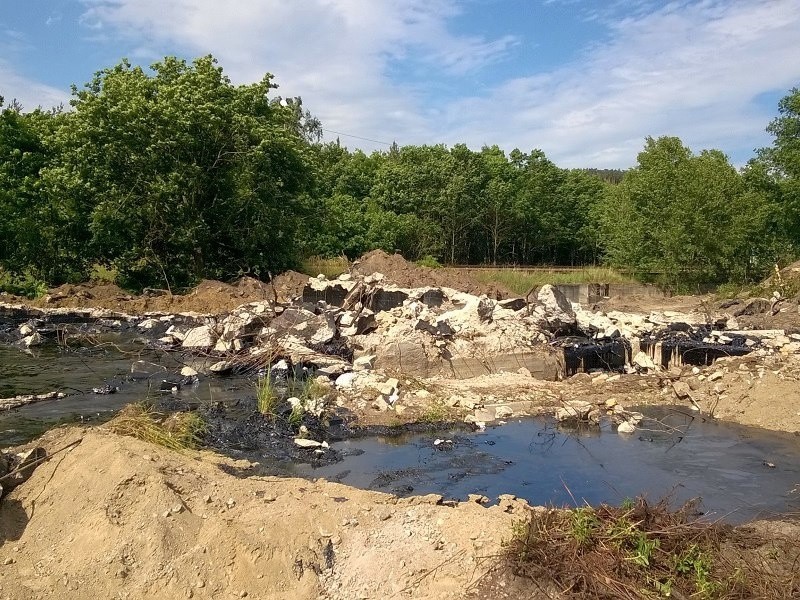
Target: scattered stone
{"type": "Point", "coordinates": [223, 367]}
{"type": "Point", "coordinates": [574, 410]}
{"type": "Point", "coordinates": [625, 428]}
{"type": "Point", "coordinates": [682, 390]}
{"type": "Point", "coordinates": [643, 361]}
{"type": "Point", "coordinates": [304, 443]}
{"type": "Point", "coordinates": [188, 372]}
{"type": "Point", "coordinates": [200, 338]}
{"type": "Point", "coordinates": [503, 412]}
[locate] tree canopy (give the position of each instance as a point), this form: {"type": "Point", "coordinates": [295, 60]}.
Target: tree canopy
{"type": "Point", "coordinates": [172, 174]}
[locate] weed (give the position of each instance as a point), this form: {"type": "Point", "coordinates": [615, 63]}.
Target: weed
{"type": "Point", "coordinates": [436, 412]}
{"type": "Point", "coordinates": [430, 262]}
{"type": "Point", "coordinates": [266, 396]}
{"type": "Point", "coordinates": [307, 389]}
{"type": "Point", "coordinates": [584, 522]}
{"type": "Point", "coordinates": [644, 551]}
{"type": "Point", "coordinates": [179, 431]}
{"type": "Point", "coordinates": [27, 285]}
{"type": "Point", "coordinates": [330, 267]}
{"type": "Point", "coordinates": [296, 416]}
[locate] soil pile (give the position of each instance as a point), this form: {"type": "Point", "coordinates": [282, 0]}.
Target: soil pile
{"type": "Point", "coordinates": [118, 518]}
{"type": "Point", "coordinates": [209, 296]}
{"type": "Point", "coordinates": [403, 273]}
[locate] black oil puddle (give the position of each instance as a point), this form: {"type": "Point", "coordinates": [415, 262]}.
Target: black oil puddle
{"type": "Point", "coordinates": [682, 457]}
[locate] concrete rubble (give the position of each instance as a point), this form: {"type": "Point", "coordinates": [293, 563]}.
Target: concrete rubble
{"type": "Point", "coordinates": [355, 331]}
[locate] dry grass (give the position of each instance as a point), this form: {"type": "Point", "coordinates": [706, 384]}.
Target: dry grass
{"type": "Point", "coordinates": [330, 267]}
{"type": "Point", "coordinates": [178, 431]}
{"type": "Point", "coordinates": [643, 551]}
{"type": "Point", "coordinates": [520, 281]}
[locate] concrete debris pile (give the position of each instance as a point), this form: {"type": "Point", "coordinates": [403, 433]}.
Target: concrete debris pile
{"type": "Point", "coordinates": [360, 322]}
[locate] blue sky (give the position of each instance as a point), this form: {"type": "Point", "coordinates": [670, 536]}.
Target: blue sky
{"type": "Point", "coordinates": [585, 81]}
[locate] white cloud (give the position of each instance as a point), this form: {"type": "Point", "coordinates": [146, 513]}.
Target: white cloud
{"type": "Point", "coordinates": [336, 54]}
{"type": "Point", "coordinates": [688, 69]}
{"type": "Point", "coordinates": [29, 93]}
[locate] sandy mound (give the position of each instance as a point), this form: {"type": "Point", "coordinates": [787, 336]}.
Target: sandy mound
{"type": "Point", "coordinates": [118, 518]}
{"type": "Point", "coordinates": [403, 273]}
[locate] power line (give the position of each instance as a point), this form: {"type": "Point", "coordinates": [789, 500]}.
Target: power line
{"type": "Point", "coordinates": [358, 137]}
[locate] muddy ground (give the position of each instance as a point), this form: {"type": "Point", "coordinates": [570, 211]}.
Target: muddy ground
{"type": "Point", "coordinates": [114, 517]}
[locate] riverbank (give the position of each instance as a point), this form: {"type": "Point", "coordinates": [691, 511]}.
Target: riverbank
{"type": "Point", "coordinates": [170, 525]}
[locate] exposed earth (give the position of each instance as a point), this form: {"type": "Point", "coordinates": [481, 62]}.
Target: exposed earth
{"type": "Point", "coordinates": [390, 343]}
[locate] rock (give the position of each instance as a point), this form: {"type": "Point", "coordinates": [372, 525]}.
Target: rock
{"type": "Point", "coordinates": [525, 372]}
{"type": "Point", "coordinates": [304, 443]}
{"type": "Point", "coordinates": [554, 307]}
{"type": "Point", "coordinates": [345, 380]}
{"type": "Point", "coordinates": [24, 464]}
{"type": "Point", "coordinates": [364, 363]}
{"type": "Point", "coordinates": [345, 277]}
{"type": "Point", "coordinates": [389, 387]}
{"type": "Point", "coordinates": [381, 404]}
{"type": "Point", "coordinates": [643, 361]}
{"type": "Point", "coordinates": [200, 338]}
{"type": "Point", "coordinates": [485, 309]}
{"type": "Point", "coordinates": [715, 376]}
{"type": "Point", "coordinates": [625, 428]}
{"type": "Point", "coordinates": [514, 304]}
{"type": "Point", "coordinates": [574, 410]}
{"type": "Point", "coordinates": [223, 367]}
{"type": "Point", "coordinates": [477, 498]}
{"type": "Point", "coordinates": [503, 412]}
{"type": "Point", "coordinates": [25, 330]}
{"type": "Point", "coordinates": [682, 389]}
{"type": "Point", "coordinates": [32, 340]}
{"type": "Point", "coordinates": [756, 306]}
{"type": "Point", "coordinates": [188, 372]}
{"type": "Point", "coordinates": [149, 324]}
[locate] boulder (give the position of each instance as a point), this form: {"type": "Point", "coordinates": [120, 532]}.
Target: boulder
{"type": "Point", "coordinates": [32, 340]}
{"type": "Point", "coordinates": [200, 338]}
{"type": "Point", "coordinates": [555, 309]}
{"type": "Point", "coordinates": [574, 410]}
{"type": "Point", "coordinates": [643, 361]}
{"type": "Point", "coordinates": [626, 428]}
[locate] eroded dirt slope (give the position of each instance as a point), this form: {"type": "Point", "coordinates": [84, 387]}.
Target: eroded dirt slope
{"type": "Point", "coordinates": [118, 518]}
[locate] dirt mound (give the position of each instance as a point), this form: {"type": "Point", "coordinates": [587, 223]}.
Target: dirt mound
{"type": "Point", "coordinates": [289, 285]}
{"type": "Point", "coordinates": [209, 296]}
{"type": "Point", "coordinates": [407, 274]}
{"type": "Point", "coordinates": [118, 518]}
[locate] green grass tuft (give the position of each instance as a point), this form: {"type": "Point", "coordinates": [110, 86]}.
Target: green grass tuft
{"type": "Point", "coordinates": [266, 396]}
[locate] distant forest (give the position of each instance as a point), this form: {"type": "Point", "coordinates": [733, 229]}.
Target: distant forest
{"type": "Point", "coordinates": [173, 174]}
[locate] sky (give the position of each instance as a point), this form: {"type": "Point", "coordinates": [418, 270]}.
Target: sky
{"type": "Point", "coordinates": [586, 81]}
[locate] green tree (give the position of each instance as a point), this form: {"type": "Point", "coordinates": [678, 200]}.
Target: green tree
{"type": "Point", "coordinates": [179, 174]}
{"type": "Point", "coordinates": [686, 218]}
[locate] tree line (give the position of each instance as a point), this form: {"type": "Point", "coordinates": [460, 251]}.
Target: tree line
{"type": "Point", "coordinates": [174, 174]}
